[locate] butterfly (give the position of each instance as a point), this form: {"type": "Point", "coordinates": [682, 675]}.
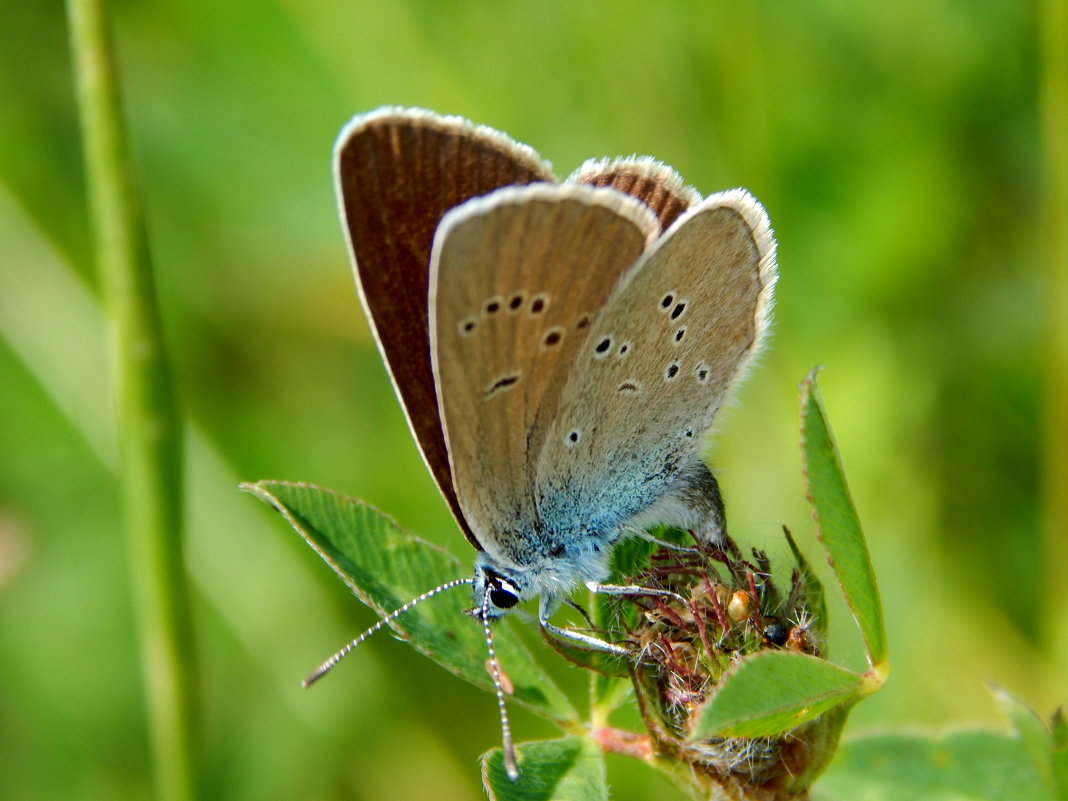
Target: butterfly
{"type": "Point", "coordinates": [560, 348]}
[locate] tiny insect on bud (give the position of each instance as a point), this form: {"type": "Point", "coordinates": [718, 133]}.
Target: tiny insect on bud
{"type": "Point", "coordinates": [775, 633]}
{"type": "Point", "coordinates": [740, 606]}
{"type": "Point", "coordinates": [798, 639]}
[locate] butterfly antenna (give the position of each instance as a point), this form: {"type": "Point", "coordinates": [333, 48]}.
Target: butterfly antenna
{"type": "Point", "coordinates": [507, 746]}
{"type": "Point", "coordinates": [329, 664]}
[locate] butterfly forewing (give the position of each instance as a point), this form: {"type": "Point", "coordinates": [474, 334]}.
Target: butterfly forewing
{"type": "Point", "coordinates": [672, 339]}
{"type": "Point", "coordinates": [517, 280]}
{"type": "Point", "coordinates": [398, 171]}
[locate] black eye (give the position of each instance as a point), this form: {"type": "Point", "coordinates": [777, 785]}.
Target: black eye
{"type": "Point", "coordinates": [503, 599]}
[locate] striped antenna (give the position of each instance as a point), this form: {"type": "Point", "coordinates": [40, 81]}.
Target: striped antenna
{"type": "Point", "coordinates": [328, 665]}
{"type": "Point", "coordinates": [507, 746]}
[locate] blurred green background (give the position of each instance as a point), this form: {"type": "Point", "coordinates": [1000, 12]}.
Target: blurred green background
{"type": "Point", "coordinates": [897, 149]}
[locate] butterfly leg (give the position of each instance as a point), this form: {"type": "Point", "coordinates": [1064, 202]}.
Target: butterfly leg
{"type": "Point", "coordinates": [671, 546]}
{"type": "Point", "coordinates": [546, 609]}
{"type": "Point", "coordinates": [578, 608]}
{"type": "Point", "coordinates": [633, 589]}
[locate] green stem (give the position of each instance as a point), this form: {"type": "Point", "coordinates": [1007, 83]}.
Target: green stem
{"type": "Point", "coordinates": [149, 430]}
{"type": "Point", "coordinates": [1053, 101]}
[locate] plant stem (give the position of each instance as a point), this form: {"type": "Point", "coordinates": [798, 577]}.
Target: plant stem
{"type": "Point", "coordinates": [148, 424]}
{"type": "Point", "coordinates": [1053, 101]}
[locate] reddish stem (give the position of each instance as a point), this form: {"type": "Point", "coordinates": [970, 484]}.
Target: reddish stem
{"type": "Point", "coordinates": [625, 743]}
{"type": "Point", "coordinates": [702, 630]}
{"type": "Point", "coordinates": [669, 613]}
{"type": "Point", "coordinates": [717, 607]}
{"type": "Point", "coordinates": [758, 618]}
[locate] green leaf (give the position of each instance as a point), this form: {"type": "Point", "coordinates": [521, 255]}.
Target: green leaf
{"type": "Point", "coordinates": [772, 692]}
{"type": "Point", "coordinates": [963, 766]}
{"type": "Point", "coordinates": [1046, 745]}
{"type": "Point", "coordinates": [814, 600]}
{"type": "Point", "coordinates": [386, 567]}
{"type": "Point", "coordinates": [1059, 759]}
{"type": "Point", "coordinates": [571, 769]}
{"type": "Point", "coordinates": [1059, 729]}
{"type": "Point", "coordinates": [1034, 736]}
{"type": "Point", "coordinates": [837, 524]}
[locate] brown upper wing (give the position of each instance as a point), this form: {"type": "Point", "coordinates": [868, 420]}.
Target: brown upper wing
{"type": "Point", "coordinates": [397, 172]}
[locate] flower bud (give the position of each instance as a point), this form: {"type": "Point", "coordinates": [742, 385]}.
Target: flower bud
{"type": "Point", "coordinates": [740, 606]}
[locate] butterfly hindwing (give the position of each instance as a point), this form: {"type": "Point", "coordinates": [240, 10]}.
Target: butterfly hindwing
{"type": "Point", "coordinates": [673, 338]}
{"type": "Point", "coordinates": [655, 184]}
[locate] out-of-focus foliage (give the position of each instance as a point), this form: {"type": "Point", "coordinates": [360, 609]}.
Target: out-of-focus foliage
{"type": "Point", "coordinates": [896, 149]}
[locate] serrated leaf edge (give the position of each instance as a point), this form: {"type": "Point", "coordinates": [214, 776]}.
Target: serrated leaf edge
{"type": "Point", "coordinates": [878, 662]}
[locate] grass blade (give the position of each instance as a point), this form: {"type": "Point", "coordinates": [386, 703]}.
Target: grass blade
{"type": "Point", "coordinates": [149, 428]}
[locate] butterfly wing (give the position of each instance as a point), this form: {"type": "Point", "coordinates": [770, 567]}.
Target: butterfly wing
{"type": "Point", "coordinates": [397, 172]}
{"type": "Point", "coordinates": [672, 339]}
{"type": "Point", "coordinates": [517, 279]}
{"type": "Point", "coordinates": [653, 183]}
